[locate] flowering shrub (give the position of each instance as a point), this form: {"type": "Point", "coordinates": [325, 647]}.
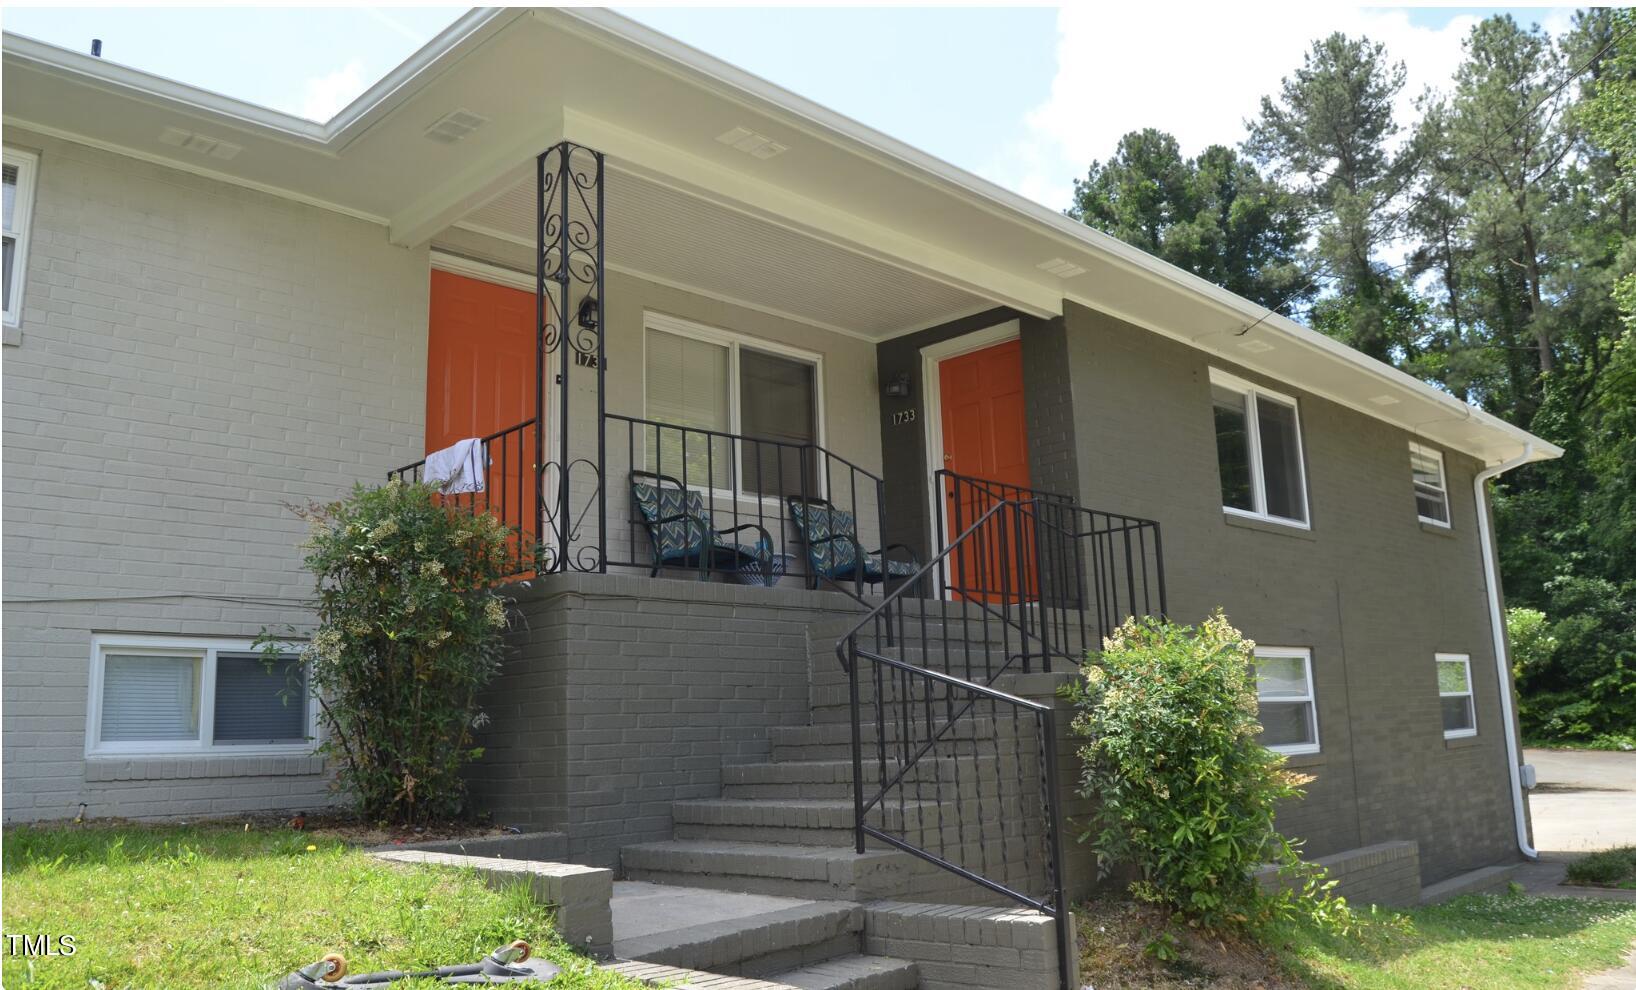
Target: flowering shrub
{"type": "Point", "coordinates": [1183, 791]}
{"type": "Point", "coordinates": [410, 628]}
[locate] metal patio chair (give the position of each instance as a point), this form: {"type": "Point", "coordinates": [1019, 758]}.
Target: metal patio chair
{"type": "Point", "coordinates": [833, 550]}
{"type": "Point", "coordinates": [682, 534]}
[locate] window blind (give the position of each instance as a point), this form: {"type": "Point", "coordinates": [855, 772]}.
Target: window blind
{"type": "Point", "coordinates": [687, 386]}
{"type": "Point", "coordinates": [150, 698]}
{"type": "Point", "coordinates": [260, 703]}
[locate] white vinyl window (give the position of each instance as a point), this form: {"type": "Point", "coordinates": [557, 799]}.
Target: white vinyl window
{"type": "Point", "coordinates": [153, 695]}
{"type": "Point", "coordinates": [1431, 488]}
{"type": "Point", "coordinates": [1258, 451]}
{"type": "Point", "coordinates": [18, 189]}
{"type": "Point", "coordinates": [1454, 694]}
{"type": "Point", "coordinates": [715, 385]}
{"type": "Point", "coordinates": [1288, 706]}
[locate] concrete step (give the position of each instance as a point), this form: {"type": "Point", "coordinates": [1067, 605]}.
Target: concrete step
{"type": "Point", "coordinates": [827, 741]}
{"type": "Point", "coordinates": [944, 778]}
{"type": "Point", "coordinates": [855, 973]}
{"type": "Point", "coordinates": [781, 870]}
{"type": "Point", "coordinates": [781, 939]}
{"type": "Point", "coordinates": [791, 820]}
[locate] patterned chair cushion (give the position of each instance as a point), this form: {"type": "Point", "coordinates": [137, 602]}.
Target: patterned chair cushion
{"type": "Point", "coordinates": [831, 558]}
{"type": "Point", "coordinates": [687, 530]}
{"type": "Point", "coordinates": [676, 537]}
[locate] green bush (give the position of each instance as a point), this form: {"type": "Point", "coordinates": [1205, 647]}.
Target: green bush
{"type": "Point", "coordinates": [1610, 867]}
{"type": "Point", "coordinates": [1183, 792]}
{"type": "Point", "coordinates": [410, 628]}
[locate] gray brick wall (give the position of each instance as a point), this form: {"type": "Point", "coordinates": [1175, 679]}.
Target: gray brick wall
{"type": "Point", "coordinates": [626, 694]}
{"type": "Point", "coordinates": [193, 357]}
{"type": "Point", "coordinates": [1371, 592]}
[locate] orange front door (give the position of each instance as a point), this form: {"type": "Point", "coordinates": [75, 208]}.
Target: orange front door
{"type": "Point", "coordinates": [480, 381]}
{"type": "Point", "coordinates": [985, 436]}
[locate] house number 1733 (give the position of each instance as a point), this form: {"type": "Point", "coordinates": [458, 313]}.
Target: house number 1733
{"type": "Point", "coordinates": [903, 416]}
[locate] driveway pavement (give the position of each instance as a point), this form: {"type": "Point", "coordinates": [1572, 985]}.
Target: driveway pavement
{"type": "Point", "coordinates": [1585, 800]}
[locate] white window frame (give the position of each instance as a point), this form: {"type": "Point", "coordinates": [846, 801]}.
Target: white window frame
{"type": "Point", "coordinates": [665, 323]}
{"type": "Point", "coordinates": [1305, 656]}
{"type": "Point", "coordinates": [1252, 429]}
{"type": "Point", "coordinates": [27, 164]}
{"type": "Point", "coordinates": [1470, 694]}
{"type": "Point", "coordinates": [1443, 484]}
{"type": "Point", "coordinates": [204, 650]}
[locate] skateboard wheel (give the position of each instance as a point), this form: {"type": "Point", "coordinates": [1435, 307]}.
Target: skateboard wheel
{"type": "Point", "coordinates": [337, 967]}
{"type": "Point", "coordinates": [524, 950]}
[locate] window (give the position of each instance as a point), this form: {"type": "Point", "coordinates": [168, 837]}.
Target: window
{"type": "Point", "coordinates": [18, 192]}
{"type": "Point", "coordinates": [1431, 493]}
{"type": "Point", "coordinates": [1258, 451]}
{"type": "Point", "coordinates": [165, 696]}
{"type": "Point", "coordinates": [1454, 691]}
{"type": "Point", "coordinates": [1288, 706]}
{"type": "Point", "coordinates": [716, 385]}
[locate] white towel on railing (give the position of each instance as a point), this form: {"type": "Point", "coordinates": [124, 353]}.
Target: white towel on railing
{"type": "Point", "coordinates": [458, 468]}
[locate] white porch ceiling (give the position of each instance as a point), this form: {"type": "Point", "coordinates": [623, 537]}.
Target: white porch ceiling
{"type": "Point", "coordinates": [679, 238]}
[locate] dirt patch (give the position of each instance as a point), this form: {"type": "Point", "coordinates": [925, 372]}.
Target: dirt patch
{"type": "Point", "coordinates": [351, 829]}
{"type": "Point", "coordinates": [1113, 939]}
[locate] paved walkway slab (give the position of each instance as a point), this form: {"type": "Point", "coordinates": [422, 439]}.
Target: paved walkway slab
{"type": "Point", "coordinates": [643, 909]}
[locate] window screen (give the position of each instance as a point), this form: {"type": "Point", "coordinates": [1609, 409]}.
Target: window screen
{"type": "Point", "coordinates": [1233, 448]}
{"type": "Point", "coordinates": [150, 698]}
{"type": "Point", "coordinates": [778, 402]}
{"type": "Point", "coordinates": [257, 702]}
{"type": "Point", "coordinates": [1280, 459]}
{"type": "Point", "coordinates": [10, 194]}
{"type": "Point", "coordinates": [1431, 498]}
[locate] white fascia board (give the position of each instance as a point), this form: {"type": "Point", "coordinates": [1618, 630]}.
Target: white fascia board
{"type": "Point", "coordinates": [617, 30]}
{"type": "Point", "coordinates": [329, 137]}
{"type": "Point", "coordinates": [664, 164]}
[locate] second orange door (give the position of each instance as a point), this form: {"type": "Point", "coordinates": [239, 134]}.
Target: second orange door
{"type": "Point", "coordinates": [985, 436]}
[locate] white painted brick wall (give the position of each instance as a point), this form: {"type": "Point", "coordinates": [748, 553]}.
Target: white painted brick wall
{"type": "Point", "coordinates": [194, 357]}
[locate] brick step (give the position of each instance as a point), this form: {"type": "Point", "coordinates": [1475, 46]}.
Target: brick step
{"type": "Point", "coordinates": [794, 934]}
{"type": "Point", "coordinates": [790, 820]}
{"type": "Point", "coordinates": [943, 778]}
{"type": "Point", "coordinates": [855, 973]}
{"type": "Point", "coordinates": [824, 873]}
{"type": "Point", "coordinates": [832, 740]}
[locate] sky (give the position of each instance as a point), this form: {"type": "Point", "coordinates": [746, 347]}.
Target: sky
{"type": "Point", "coordinates": [1024, 97]}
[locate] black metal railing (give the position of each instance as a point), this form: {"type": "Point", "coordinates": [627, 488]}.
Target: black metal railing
{"type": "Point", "coordinates": [510, 489]}
{"type": "Point", "coordinates": [767, 509]}
{"type": "Point", "coordinates": [1066, 575]}
{"type": "Point", "coordinates": [946, 765]}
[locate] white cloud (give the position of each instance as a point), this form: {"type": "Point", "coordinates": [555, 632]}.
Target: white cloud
{"type": "Point", "coordinates": [1198, 72]}
{"type": "Point", "coordinates": [327, 94]}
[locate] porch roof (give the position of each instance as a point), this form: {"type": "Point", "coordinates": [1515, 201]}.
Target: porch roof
{"type": "Point", "coordinates": [840, 225]}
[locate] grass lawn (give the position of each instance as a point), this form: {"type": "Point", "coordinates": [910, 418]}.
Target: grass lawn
{"type": "Point", "coordinates": [1608, 868]}
{"type": "Point", "coordinates": [1507, 942]}
{"type": "Point", "coordinates": [218, 907]}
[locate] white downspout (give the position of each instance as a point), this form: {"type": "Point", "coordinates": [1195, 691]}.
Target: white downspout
{"type": "Point", "coordinates": [1502, 663]}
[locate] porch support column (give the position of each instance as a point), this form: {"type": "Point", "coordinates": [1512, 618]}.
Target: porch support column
{"type": "Point", "coordinates": [569, 311]}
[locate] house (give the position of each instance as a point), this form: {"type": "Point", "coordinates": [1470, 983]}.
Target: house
{"type": "Point", "coordinates": [659, 288]}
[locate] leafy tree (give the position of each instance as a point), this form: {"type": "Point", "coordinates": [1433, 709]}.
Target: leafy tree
{"type": "Point", "coordinates": [1214, 215]}
{"type": "Point", "coordinates": [1328, 130]}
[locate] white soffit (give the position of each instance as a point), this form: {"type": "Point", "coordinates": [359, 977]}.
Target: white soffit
{"type": "Point", "coordinates": [945, 236]}
{"type": "Point", "coordinates": [681, 239]}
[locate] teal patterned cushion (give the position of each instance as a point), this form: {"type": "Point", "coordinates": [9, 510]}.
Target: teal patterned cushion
{"type": "Point", "coordinates": [676, 537]}
{"type": "Point", "coordinates": [819, 522]}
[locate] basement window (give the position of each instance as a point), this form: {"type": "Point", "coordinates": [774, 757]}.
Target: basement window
{"type": "Point", "coordinates": [1258, 451]}
{"type": "Point", "coordinates": [1431, 493]}
{"type": "Point", "coordinates": [733, 413]}
{"type": "Point", "coordinates": [18, 191]}
{"type": "Point", "coordinates": [1288, 707]}
{"type": "Point", "coordinates": [1454, 694]}
{"type": "Point", "coordinates": [159, 696]}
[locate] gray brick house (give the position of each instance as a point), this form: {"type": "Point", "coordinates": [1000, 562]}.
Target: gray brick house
{"type": "Point", "coordinates": [659, 288]}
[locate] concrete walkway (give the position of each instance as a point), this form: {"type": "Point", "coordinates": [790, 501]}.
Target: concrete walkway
{"type": "Point", "coordinates": [1585, 800]}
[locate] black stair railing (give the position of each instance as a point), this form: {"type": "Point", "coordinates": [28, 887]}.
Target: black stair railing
{"type": "Point", "coordinates": [1085, 570]}
{"type": "Point", "coordinates": [947, 766]}
{"type": "Point", "coordinates": [510, 490]}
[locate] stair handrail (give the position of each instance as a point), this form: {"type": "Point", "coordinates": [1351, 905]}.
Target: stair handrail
{"type": "Point", "coordinates": [1053, 901]}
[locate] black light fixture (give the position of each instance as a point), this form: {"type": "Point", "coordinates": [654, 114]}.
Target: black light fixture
{"type": "Point", "coordinates": [898, 387]}
{"type": "Point", "coordinates": [589, 313]}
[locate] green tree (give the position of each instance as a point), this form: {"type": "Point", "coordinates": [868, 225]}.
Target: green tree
{"type": "Point", "coordinates": [1215, 215]}
{"type": "Point", "coordinates": [1329, 130]}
